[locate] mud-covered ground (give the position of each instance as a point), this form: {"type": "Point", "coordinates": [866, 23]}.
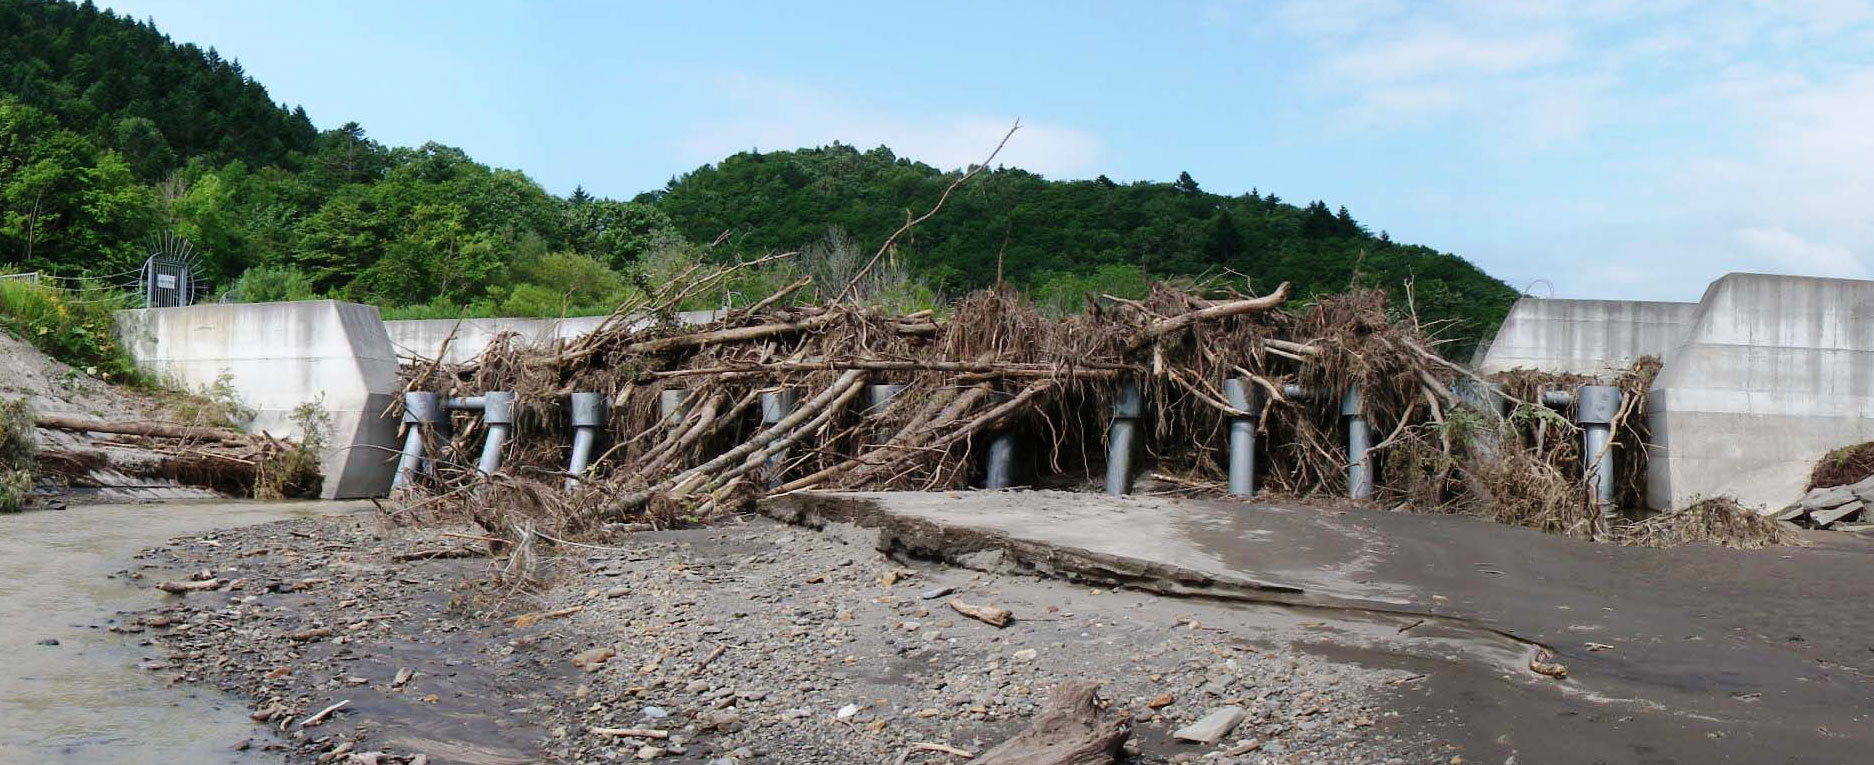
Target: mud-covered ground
{"type": "Point", "coordinates": [745, 643]}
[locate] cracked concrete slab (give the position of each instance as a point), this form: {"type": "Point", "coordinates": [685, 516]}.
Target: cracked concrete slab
{"type": "Point", "coordinates": [1694, 653]}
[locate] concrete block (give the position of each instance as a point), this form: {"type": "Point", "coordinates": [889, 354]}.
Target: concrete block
{"type": "Point", "coordinates": [422, 338]}
{"type": "Point", "coordinates": [1824, 518]}
{"type": "Point", "coordinates": [279, 356]}
{"type": "Point", "coordinates": [1775, 372]}
{"type": "Point", "coordinates": [1592, 337]}
{"type": "Point", "coordinates": [1832, 496]}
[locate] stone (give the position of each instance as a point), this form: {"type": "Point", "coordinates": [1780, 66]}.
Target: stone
{"type": "Point", "coordinates": [1833, 496]}
{"type": "Point", "coordinates": [846, 712]}
{"type": "Point", "coordinates": [1213, 726]}
{"type": "Point", "coordinates": [1025, 655]}
{"type": "Point", "coordinates": [1823, 518]}
{"type": "Point", "coordinates": [936, 592]}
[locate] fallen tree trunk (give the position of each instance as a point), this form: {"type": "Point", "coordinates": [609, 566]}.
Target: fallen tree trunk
{"type": "Point", "coordinates": [142, 428]}
{"type": "Point", "coordinates": [1232, 308]}
{"type": "Point", "coordinates": [1069, 731]}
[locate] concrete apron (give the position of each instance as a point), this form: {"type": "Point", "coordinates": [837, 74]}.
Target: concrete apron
{"type": "Point", "coordinates": [1715, 654]}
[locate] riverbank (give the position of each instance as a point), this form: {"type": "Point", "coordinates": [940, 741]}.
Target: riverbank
{"type": "Point", "coordinates": [754, 642]}
{"type": "Point", "coordinates": [73, 692]}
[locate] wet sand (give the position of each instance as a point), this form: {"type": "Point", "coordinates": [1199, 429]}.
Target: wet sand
{"type": "Point", "coordinates": [84, 700]}
{"type": "Point", "coordinates": [1691, 654]}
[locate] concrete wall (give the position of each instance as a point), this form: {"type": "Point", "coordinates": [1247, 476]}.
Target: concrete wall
{"type": "Point", "coordinates": [422, 338]}
{"type": "Point", "coordinates": [280, 356]}
{"type": "Point", "coordinates": [1591, 337]}
{"type": "Point", "coordinates": [1775, 372]}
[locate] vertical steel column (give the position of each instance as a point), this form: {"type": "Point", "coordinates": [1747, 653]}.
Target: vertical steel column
{"type": "Point", "coordinates": [1596, 406]}
{"type": "Point", "coordinates": [421, 411]}
{"type": "Point", "coordinates": [1244, 395]}
{"type": "Point", "coordinates": [588, 415]}
{"type": "Point", "coordinates": [1359, 441]}
{"type": "Point", "coordinates": [879, 396]}
{"type": "Point", "coordinates": [1127, 409]}
{"type": "Point", "coordinates": [498, 416]}
{"type": "Point", "coordinates": [1001, 470]}
{"type": "Point", "coordinates": [775, 407]}
{"type": "Point", "coordinates": [670, 408]}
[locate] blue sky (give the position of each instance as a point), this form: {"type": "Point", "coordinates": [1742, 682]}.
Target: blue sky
{"type": "Point", "coordinates": [1593, 148]}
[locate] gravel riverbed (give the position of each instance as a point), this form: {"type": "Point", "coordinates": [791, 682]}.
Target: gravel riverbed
{"type": "Point", "coordinates": [749, 642]}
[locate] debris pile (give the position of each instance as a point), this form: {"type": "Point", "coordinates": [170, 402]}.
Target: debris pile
{"type": "Point", "coordinates": [1719, 520]}
{"type": "Point", "coordinates": [1843, 507]}
{"type": "Point", "coordinates": [994, 366]}
{"type": "Point", "coordinates": [788, 394]}
{"type": "Point", "coordinates": [99, 453]}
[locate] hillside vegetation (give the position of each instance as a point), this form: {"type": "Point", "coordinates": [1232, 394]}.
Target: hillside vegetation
{"type": "Point", "coordinates": [111, 135]}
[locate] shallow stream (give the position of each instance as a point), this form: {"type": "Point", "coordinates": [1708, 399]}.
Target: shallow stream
{"type": "Point", "coordinates": [84, 700]}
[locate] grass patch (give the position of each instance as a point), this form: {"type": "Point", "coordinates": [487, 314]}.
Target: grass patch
{"type": "Point", "coordinates": [17, 451]}
{"type": "Point", "coordinates": [73, 326]}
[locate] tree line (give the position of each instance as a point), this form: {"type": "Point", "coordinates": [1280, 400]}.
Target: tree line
{"type": "Point", "coordinates": [111, 134]}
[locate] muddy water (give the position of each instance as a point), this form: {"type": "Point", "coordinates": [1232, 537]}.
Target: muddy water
{"type": "Point", "coordinates": [84, 700]}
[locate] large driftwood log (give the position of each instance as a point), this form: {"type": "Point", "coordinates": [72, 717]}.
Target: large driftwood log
{"type": "Point", "coordinates": [1232, 308]}
{"type": "Point", "coordinates": [145, 428]}
{"type": "Point", "coordinates": [1069, 731]}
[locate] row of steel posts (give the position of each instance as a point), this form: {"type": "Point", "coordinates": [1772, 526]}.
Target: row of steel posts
{"type": "Point", "coordinates": [1595, 409]}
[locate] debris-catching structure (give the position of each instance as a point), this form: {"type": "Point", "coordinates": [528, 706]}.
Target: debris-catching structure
{"type": "Point", "coordinates": [1196, 391]}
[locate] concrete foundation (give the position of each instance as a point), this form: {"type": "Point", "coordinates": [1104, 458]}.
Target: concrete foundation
{"type": "Point", "coordinates": [1761, 377]}
{"type": "Point", "coordinates": [1591, 337]}
{"type": "Point", "coordinates": [1776, 372]}
{"type": "Point", "coordinates": [279, 356]}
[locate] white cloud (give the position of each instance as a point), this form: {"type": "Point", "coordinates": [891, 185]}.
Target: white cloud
{"type": "Point", "coordinates": [1723, 135]}
{"type": "Point", "coordinates": [771, 115]}
{"type": "Point", "coordinates": [1438, 52]}
{"type": "Point", "coordinates": [1789, 253]}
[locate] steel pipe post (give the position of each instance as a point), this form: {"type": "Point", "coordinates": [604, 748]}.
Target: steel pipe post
{"type": "Point", "coordinates": [421, 411]}
{"type": "Point", "coordinates": [588, 417]}
{"type": "Point", "coordinates": [670, 408]}
{"type": "Point", "coordinates": [1596, 406]}
{"type": "Point", "coordinates": [879, 396]}
{"type": "Point", "coordinates": [1243, 395]}
{"type": "Point", "coordinates": [1127, 409]}
{"type": "Point", "coordinates": [498, 417]}
{"type": "Point", "coordinates": [1359, 445]}
{"type": "Point", "coordinates": [1001, 470]}
{"type": "Point", "coordinates": [775, 407]}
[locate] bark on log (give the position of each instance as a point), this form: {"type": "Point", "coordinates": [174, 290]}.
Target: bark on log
{"type": "Point", "coordinates": [736, 335]}
{"type": "Point", "coordinates": [1232, 308]}
{"type": "Point", "coordinates": [1070, 730]}
{"type": "Point", "coordinates": [146, 428]}
{"type": "Point", "coordinates": [787, 424]}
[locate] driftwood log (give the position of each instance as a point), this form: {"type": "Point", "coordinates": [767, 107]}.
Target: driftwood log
{"type": "Point", "coordinates": [1071, 730]}
{"type": "Point", "coordinates": [140, 428]}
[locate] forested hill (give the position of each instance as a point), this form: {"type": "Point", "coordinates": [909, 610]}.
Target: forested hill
{"type": "Point", "coordinates": [1050, 236]}
{"type": "Point", "coordinates": [112, 135]}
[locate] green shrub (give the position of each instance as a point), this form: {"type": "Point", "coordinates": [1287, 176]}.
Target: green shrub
{"type": "Point", "coordinates": [16, 455]}
{"type": "Point", "coordinates": [1061, 293]}
{"type": "Point", "coordinates": [75, 327]}
{"type": "Point", "coordinates": [273, 284]}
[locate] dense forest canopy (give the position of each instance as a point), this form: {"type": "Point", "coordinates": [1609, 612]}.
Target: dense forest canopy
{"type": "Point", "coordinates": [111, 135]}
